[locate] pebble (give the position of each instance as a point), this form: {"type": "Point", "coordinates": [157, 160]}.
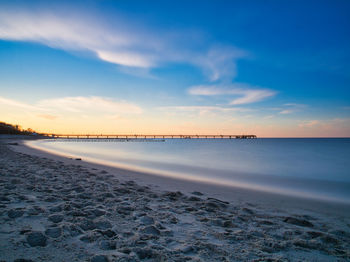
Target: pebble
{"type": "Point", "coordinates": [193, 198]}
{"type": "Point", "coordinates": [298, 222]}
{"type": "Point", "coordinates": [104, 224]}
{"type": "Point", "coordinates": [35, 239]}
{"type": "Point", "coordinates": [109, 233]}
{"type": "Point", "coordinates": [99, 258]}
{"type": "Point", "coordinates": [151, 230]}
{"type": "Point", "coordinates": [146, 220]}
{"type": "Point", "coordinates": [89, 238]}
{"type": "Point", "coordinates": [98, 212]}
{"type": "Point", "coordinates": [54, 232]}
{"type": "Point", "coordinates": [56, 218]}
{"type": "Point", "coordinates": [107, 244]}
{"type": "Point", "coordinates": [56, 209]}
{"type": "Point", "coordinates": [87, 224]}
{"type": "Point", "coordinates": [144, 253]}
{"type": "Point", "coordinates": [14, 213]}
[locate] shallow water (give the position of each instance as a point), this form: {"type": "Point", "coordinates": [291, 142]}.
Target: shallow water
{"type": "Point", "coordinates": [316, 168]}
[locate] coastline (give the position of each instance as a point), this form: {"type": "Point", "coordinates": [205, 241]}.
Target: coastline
{"type": "Point", "coordinates": [119, 215]}
{"type": "Point", "coordinates": [227, 193]}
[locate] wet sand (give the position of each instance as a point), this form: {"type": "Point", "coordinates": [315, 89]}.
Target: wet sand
{"type": "Point", "coordinates": [53, 208]}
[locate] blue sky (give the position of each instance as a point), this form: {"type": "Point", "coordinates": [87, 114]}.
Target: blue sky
{"type": "Point", "coordinates": [272, 68]}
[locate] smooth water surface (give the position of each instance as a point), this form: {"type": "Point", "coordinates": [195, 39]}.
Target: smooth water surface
{"type": "Point", "coordinates": [317, 168]}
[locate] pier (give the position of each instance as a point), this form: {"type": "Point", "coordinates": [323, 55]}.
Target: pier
{"type": "Point", "coordinates": [140, 136]}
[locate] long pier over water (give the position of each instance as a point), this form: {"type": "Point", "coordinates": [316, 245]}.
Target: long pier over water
{"type": "Point", "coordinates": [140, 136]}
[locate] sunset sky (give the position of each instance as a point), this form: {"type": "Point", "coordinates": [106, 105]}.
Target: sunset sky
{"type": "Point", "coordinates": [270, 68]}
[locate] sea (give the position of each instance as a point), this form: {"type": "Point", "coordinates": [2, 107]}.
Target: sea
{"type": "Point", "coordinates": [317, 168]}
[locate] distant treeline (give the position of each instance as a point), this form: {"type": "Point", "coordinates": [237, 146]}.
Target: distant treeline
{"type": "Point", "coordinates": [6, 128]}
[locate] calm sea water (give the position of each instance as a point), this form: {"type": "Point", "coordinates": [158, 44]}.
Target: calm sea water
{"type": "Point", "coordinates": [316, 168]}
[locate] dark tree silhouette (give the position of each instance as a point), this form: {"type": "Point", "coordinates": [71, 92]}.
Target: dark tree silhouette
{"type": "Point", "coordinates": [6, 128]}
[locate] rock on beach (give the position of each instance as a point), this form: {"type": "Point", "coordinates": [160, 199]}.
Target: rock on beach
{"type": "Point", "coordinates": [36, 239]}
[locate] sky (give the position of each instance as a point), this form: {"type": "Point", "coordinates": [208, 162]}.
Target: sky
{"type": "Point", "coordinates": [269, 68]}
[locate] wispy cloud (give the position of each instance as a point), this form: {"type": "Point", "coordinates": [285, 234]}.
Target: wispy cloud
{"type": "Point", "coordinates": [203, 110]}
{"type": "Point", "coordinates": [126, 58]}
{"type": "Point", "coordinates": [246, 93]}
{"type": "Point", "coordinates": [91, 104]}
{"type": "Point", "coordinates": [309, 123]}
{"type": "Point", "coordinates": [220, 62]}
{"type": "Point", "coordinates": [327, 124]}
{"type": "Point", "coordinates": [76, 32]}
{"type": "Point", "coordinates": [287, 111]}
{"type": "Point", "coordinates": [17, 104]}
{"type": "Point", "coordinates": [80, 105]}
{"type": "Point", "coordinates": [268, 117]}
{"type": "Point", "coordinates": [48, 117]}
{"type": "Point", "coordinates": [119, 43]}
{"type": "Point", "coordinates": [211, 108]}
{"type": "Point", "coordinates": [292, 108]}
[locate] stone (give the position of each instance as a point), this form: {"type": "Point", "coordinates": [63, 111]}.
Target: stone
{"type": "Point", "coordinates": [109, 233]}
{"type": "Point", "coordinates": [330, 240]}
{"type": "Point", "coordinates": [173, 195]}
{"type": "Point", "coordinates": [56, 218]}
{"type": "Point", "coordinates": [55, 209]}
{"type": "Point", "coordinates": [53, 232]}
{"type": "Point", "coordinates": [77, 213]}
{"type": "Point", "coordinates": [188, 249]}
{"type": "Point", "coordinates": [227, 223]}
{"type": "Point", "coordinates": [3, 198]}
{"type": "Point", "coordinates": [107, 245]}
{"type": "Point", "coordinates": [193, 198]}
{"type": "Point", "coordinates": [298, 222]}
{"type": "Point", "coordinates": [35, 239]}
{"type": "Point", "coordinates": [103, 224]}
{"type": "Point", "coordinates": [99, 258]}
{"type": "Point", "coordinates": [144, 253]}
{"type": "Point", "coordinates": [249, 211]}
{"type": "Point", "coordinates": [146, 220]}
{"type": "Point", "coordinates": [87, 224]}
{"type": "Point", "coordinates": [218, 201]}
{"type": "Point", "coordinates": [315, 234]}
{"type": "Point", "coordinates": [89, 238]}
{"type": "Point", "coordinates": [98, 212]}
{"type": "Point", "coordinates": [74, 230]}
{"type": "Point", "coordinates": [151, 230]}
{"type": "Point", "coordinates": [14, 213]}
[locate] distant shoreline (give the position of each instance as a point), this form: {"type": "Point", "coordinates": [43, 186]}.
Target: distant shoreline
{"type": "Point", "coordinates": [227, 193]}
{"type": "Point", "coordinates": [296, 184]}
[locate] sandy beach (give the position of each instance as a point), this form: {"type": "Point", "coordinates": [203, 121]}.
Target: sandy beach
{"type": "Point", "coordinates": [53, 208]}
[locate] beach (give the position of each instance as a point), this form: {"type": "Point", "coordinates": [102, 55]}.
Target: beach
{"type": "Point", "coordinates": [58, 208]}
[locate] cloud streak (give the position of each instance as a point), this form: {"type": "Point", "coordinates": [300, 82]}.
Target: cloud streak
{"type": "Point", "coordinates": [97, 104]}
{"type": "Point", "coordinates": [292, 108]}
{"type": "Point", "coordinates": [79, 105]}
{"type": "Point", "coordinates": [328, 126]}
{"type": "Point", "coordinates": [203, 110]}
{"type": "Point", "coordinates": [17, 104]}
{"type": "Point", "coordinates": [48, 117]}
{"type": "Point", "coordinates": [117, 43]}
{"type": "Point", "coordinates": [247, 94]}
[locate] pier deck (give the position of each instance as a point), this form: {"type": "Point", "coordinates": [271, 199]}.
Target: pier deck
{"type": "Point", "coordinates": [140, 136]}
